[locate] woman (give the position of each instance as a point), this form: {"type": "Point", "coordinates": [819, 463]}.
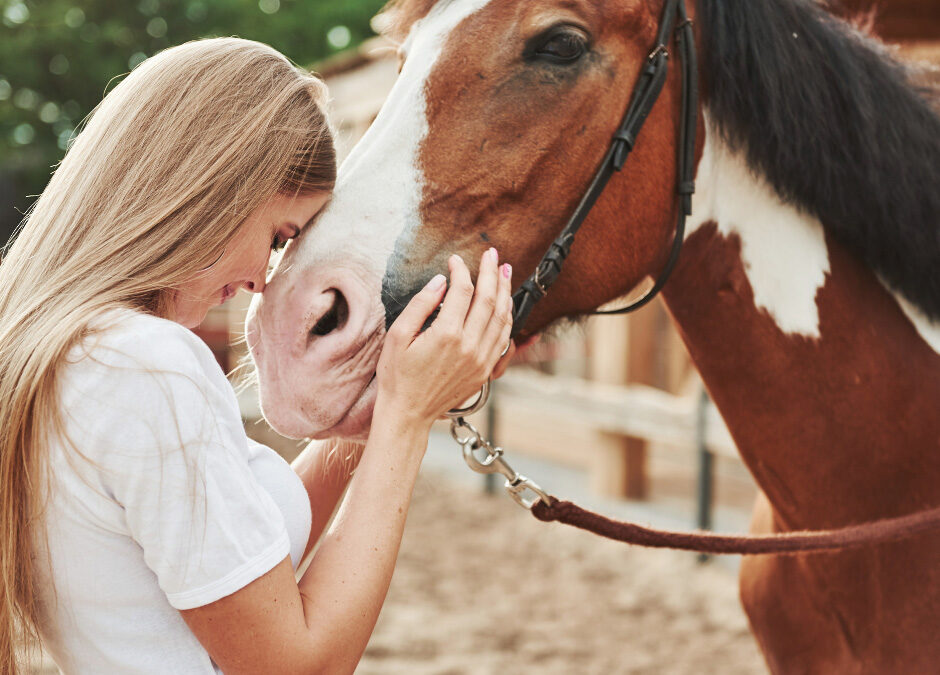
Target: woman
{"type": "Point", "coordinates": [142, 531]}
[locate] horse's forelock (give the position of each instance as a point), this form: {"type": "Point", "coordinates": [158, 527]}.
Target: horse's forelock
{"type": "Point", "coordinates": [398, 16]}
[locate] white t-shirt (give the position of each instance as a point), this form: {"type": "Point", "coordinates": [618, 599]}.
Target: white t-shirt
{"type": "Point", "coordinates": [171, 507]}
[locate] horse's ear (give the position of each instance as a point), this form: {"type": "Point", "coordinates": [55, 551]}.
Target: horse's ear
{"type": "Point", "coordinates": [395, 19]}
{"type": "Point", "coordinates": [385, 22]}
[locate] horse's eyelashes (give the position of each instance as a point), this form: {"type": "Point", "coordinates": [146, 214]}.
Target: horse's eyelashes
{"type": "Point", "coordinates": [558, 45]}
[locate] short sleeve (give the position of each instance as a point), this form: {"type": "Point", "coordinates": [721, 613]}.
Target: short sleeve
{"type": "Point", "coordinates": [170, 449]}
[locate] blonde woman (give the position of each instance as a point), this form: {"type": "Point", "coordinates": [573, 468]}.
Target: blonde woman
{"type": "Point", "coordinates": [142, 532]}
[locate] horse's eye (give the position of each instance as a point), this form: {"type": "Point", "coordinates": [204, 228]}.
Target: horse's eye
{"type": "Point", "coordinates": [564, 45]}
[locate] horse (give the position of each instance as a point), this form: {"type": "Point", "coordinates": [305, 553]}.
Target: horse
{"type": "Point", "coordinates": [806, 290]}
{"type": "Point", "coordinates": [896, 19]}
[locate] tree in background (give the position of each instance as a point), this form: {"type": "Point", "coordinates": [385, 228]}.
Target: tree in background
{"type": "Point", "coordinates": [58, 58]}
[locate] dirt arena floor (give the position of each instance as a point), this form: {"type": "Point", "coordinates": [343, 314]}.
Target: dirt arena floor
{"type": "Point", "coordinates": [482, 588]}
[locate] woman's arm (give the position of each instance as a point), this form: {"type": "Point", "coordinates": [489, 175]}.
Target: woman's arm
{"type": "Point", "coordinates": [323, 623]}
{"type": "Point", "coordinates": [325, 468]}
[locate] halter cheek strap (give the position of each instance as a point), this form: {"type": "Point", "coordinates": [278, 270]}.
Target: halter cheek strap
{"type": "Point", "coordinates": [645, 94]}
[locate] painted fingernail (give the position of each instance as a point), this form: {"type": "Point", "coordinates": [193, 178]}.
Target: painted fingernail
{"type": "Point", "coordinates": [436, 283]}
{"type": "Point", "coordinates": [492, 254]}
{"type": "Point", "coordinates": [507, 271]}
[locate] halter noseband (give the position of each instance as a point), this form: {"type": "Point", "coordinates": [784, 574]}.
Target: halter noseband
{"type": "Point", "coordinates": [645, 93]}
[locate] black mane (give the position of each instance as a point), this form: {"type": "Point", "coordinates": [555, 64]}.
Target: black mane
{"type": "Point", "coordinates": [835, 126]}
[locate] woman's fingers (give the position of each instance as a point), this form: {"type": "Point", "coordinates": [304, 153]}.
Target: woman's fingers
{"type": "Point", "coordinates": [444, 365]}
{"type": "Point", "coordinates": [493, 341]}
{"type": "Point", "coordinates": [500, 368]}
{"type": "Point", "coordinates": [419, 308]}
{"type": "Point", "coordinates": [503, 342]}
{"type": "Point", "coordinates": [484, 297]}
{"type": "Point", "coordinates": [505, 338]}
{"type": "Point", "coordinates": [453, 312]}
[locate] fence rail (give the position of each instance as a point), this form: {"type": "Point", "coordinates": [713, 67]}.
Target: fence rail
{"type": "Point", "coordinates": [631, 410]}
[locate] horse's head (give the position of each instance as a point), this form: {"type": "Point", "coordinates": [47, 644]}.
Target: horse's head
{"type": "Point", "coordinates": [495, 126]}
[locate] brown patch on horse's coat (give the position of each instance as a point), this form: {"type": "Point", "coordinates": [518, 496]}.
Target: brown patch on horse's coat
{"type": "Point", "coordinates": [837, 430]}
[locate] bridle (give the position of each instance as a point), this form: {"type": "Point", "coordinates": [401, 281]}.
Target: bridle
{"type": "Point", "coordinates": [547, 508]}
{"type": "Point", "coordinates": [645, 94]}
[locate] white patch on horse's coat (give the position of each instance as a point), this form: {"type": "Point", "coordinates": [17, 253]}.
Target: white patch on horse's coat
{"type": "Point", "coordinates": [379, 187]}
{"type": "Point", "coordinates": [783, 249]}
{"type": "Point", "coordinates": [928, 330]}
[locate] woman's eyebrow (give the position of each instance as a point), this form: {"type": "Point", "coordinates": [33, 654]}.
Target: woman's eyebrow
{"type": "Point", "coordinates": [313, 217]}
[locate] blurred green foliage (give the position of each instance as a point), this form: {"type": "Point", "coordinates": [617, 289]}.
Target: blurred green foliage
{"type": "Point", "coordinates": [57, 58]}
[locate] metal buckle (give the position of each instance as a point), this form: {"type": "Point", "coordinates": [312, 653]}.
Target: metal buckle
{"type": "Point", "coordinates": [473, 407]}
{"type": "Point", "coordinates": [489, 464]}
{"type": "Point", "coordinates": [470, 440]}
{"type": "Point", "coordinates": [660, 49]}
{"type": "Point", "coordinates": [517, 490]}
{"type": "Point", "coordinates": [538, 282]}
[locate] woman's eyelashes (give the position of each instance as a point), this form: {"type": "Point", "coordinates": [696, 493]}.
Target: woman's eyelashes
{"type": "Point", "coordinates": [280, 241]}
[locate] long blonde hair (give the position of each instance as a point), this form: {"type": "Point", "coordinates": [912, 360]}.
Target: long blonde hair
{"type": "Point", "coordinates": [157, 182]}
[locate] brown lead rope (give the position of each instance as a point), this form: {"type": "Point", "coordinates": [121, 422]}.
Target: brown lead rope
{"type": "Point", "coordinates": [852, 536]}
{"type": "Point", "coordinates": [529, 495]}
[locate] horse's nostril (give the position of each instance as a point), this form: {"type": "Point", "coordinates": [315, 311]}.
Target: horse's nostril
{"type": "Point", "coordinates": [335, 318]}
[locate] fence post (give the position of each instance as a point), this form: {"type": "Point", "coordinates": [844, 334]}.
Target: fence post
{"type": "Point", "coordinates": [489, 479]}
{"type": "Point", "coordinates": [705, 469]}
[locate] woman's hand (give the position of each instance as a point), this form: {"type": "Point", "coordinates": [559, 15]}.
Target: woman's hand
{"type": "Point", "coordinates": [422, 375]}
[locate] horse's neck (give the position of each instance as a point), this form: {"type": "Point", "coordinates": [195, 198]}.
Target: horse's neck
{"type": "Point", "coordinates": [829, 385]}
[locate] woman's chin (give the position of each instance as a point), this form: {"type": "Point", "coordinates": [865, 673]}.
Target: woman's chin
{"type": "Point", "coordinates": [190, 314]}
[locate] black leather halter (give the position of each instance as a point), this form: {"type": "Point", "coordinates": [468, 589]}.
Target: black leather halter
{"type": "Point", "coordinates": [645, 93]}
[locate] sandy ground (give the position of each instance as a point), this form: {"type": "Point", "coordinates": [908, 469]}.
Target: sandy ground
{"type": "Point", "coordinates": [482, 587]}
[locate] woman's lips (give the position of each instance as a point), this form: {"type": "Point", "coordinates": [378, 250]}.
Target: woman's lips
{"type": "Point", "coordinates": [227, 292]}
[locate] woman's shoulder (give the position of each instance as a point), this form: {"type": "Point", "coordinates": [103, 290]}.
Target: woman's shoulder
{"type": "Point", "coordinates": [133, 359]}
{"type": "Point", "coordinates": [135, 341]}
{"type": "Point", "coordinates": [139, 381]}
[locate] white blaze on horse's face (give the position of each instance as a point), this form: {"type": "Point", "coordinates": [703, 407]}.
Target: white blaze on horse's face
{"type": "Point", "coordinates": [316, 333]}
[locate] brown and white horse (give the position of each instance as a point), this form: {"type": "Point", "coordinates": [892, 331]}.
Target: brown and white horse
{"type": "Point", "coordinates": [807, 291]}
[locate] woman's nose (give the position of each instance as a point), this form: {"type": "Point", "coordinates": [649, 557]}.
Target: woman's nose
{"type": "Point", "coordinates": [256, 283]}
